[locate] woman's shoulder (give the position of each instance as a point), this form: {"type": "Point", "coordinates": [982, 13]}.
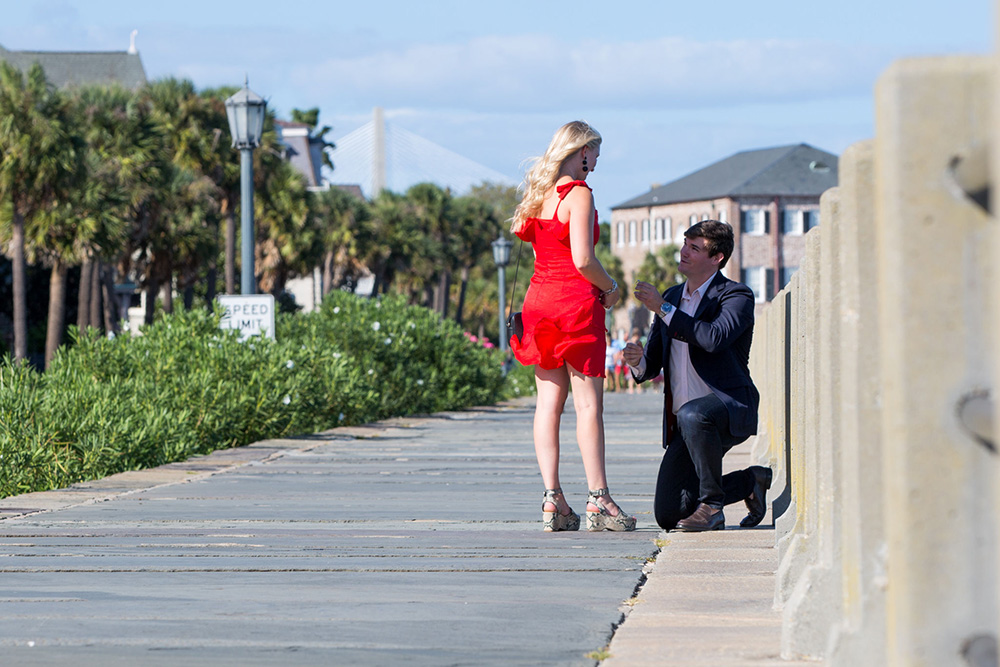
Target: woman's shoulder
{"type": "Point", "coordinates": [569, 188]}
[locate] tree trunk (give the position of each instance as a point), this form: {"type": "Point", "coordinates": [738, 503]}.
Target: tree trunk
{"type": "Point", "coordinates": [188, 297]}
{"type": "Point", "coordinates": [20, 289]}
{"type": "Point", "coordinates": [168, 294]}
{"type": "Point", "coordinates": [152, 289]}
{"type": "Point", "coordinates": [57, 310]}
{"type": "Point", "coordinates": [444, 293]}
{"type": "Point", "coordinates": [95, 295]}
{"type": "Point", "coordinates": [213, 277]}
{"type": "Point", "coordinates": [112, 318]}
{"type": "Point", "coordinates": [460, 308]}
{"type": "Point", "coordinates": [327, 272]}
{"type": "Point", "coordinates": [83, 295]}
{"type": "Point", "coordinates": [230, 252]}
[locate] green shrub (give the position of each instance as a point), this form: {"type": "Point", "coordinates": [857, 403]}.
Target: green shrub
{"type": "Point", "coordinates": [186, 387]}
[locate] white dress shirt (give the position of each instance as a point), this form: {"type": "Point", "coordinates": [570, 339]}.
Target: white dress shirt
{"type": "Point", "coordinates": [685, 383]}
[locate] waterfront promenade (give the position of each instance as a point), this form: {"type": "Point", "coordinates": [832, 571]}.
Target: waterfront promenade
{"type": "Point", "coordinates": [413, 541]}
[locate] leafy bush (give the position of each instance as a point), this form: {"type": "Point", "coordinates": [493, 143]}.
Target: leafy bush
{"type": "Point", "coordinates": [186, 387]}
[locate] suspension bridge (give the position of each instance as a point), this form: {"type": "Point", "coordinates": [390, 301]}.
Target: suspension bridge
{"type": "Point", "coordinates": [380, 155]}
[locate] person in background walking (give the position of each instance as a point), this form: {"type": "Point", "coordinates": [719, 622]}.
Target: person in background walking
{"type": "Point", "coordinates": [563, 316]}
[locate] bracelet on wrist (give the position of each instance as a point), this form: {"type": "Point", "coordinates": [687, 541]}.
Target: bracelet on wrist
{"type": "Point", "coordinates": [613, 288]}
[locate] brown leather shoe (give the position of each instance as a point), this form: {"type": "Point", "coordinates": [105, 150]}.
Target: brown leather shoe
{"type": "Point", "coordinates": [704, 518]}
{"type": "Point", "coordinates": [756, 502]}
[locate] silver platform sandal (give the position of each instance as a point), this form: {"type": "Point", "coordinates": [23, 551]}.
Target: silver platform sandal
{"type": "Point", "coordinates": [603, 520]}
{"type": "Point", "coordinates": [554, 521]}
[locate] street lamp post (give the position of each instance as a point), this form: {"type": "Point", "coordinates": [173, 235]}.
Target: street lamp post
{"type": "Point", "coordinates": [501, 255]}
{"type": "Point", "coordinates": [245, 111]}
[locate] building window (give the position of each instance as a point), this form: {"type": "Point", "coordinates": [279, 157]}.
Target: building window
{"type": "Point", "coordinates": [724, 215]}
{"type": "Point", "coordinates": [786, 274]}
{"type": "Point", "coordinates": [621, 234]}
{"type": "Point", "coordinates": [645, 231]}
{"type": "Point", "coordinates": [665, 234]}
{"type": "Point", "coordinates": [755, 221]}
{"type": "Point", "coordinates": [631, 232]}
{"type": "Point", "coordinates": [791, 222]}
{"type": "Point", "coordinates": [693, 220]}
{"type": "Point", "coordinates": [811, 218]}
{"type": "Point", "coordinates": [755, 277]}
{"type": "Point", "coordinates": [704, 216]}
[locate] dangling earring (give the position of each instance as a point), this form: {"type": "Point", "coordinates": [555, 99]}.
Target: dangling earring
{"type": "Point", "coordinates": [585, 169]}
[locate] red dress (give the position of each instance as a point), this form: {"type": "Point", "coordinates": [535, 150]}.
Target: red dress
{"type": "Point", "coordinates": [562, 313]}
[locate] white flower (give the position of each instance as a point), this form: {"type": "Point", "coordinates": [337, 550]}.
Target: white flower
{"type": "Point", "coordinates": [336, 310]}
{"type": "Point", "coordinates": [376, 326]}
{"type": "Point", "coordinates": [388, 341]}
{"type": "Point", "coordinates": [371, 371]}
{"type": "Point", "coordinates": [420, 383]}
{"type": "Point", "coordinates": [336, 355]}
{"type": "Point", "coordinates": [286, 400]}
{"type": "Point", "coordinates": [378, 304]}
{"type": "Point", "coordinates": [411, 325]}
{"type": "Point", "coordinates": [341, 417]}
{"type": "Point", "coordinates": [289, 364]}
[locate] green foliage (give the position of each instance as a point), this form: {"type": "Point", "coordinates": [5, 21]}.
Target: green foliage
{"type": "Point", "coordinates": [185, 387]}
{"type": "Point", "coordinates": [659, 269]}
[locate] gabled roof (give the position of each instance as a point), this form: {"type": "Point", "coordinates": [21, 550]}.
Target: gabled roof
{"type": "Point", "coordinates": [304, 150]}
{"type": "Point", "coordinates": [797, 170]}
{"type": "Point", "coordinates": [65, 69]}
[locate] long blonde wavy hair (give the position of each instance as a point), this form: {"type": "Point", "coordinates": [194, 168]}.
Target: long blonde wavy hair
{"type": "Point", "coordinates": [544, 172]}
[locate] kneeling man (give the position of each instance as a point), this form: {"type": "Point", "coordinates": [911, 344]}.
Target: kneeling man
{"type": "Point", "coordinates": [700, 340]}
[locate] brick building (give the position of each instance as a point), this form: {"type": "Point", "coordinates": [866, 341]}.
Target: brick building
{"type": "Point", "coordinates": [770, 197]}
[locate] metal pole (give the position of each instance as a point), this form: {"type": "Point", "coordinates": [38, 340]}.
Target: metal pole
{"type": "Point", "coordinates": [502, 279]}
{"type": "Point", "coordinates": [247, 285]}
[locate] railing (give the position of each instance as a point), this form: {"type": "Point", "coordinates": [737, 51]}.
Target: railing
{"type": "Point", "coordinates": [876, 367]}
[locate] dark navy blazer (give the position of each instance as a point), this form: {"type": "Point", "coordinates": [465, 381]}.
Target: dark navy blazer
{"type": "Point", "coordinates": [719, 336]}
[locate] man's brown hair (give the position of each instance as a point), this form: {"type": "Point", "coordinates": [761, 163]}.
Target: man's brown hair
{"type": "Point", "coordinates": [718, 238]}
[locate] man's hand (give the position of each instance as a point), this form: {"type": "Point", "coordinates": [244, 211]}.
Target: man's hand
{"type": "Point", "coordinates": [632, 354]}
{"type": "Point", "coordinates": [648, 296]}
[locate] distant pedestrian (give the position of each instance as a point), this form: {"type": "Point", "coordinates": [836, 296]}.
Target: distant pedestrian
{"type": "Point", "coordinates": [563, 316]}
{"type": "Point", "coordinates": [611, 355]}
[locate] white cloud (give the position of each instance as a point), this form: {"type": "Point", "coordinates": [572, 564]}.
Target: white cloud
{"type": "Point", "coordinates": [543, 73]}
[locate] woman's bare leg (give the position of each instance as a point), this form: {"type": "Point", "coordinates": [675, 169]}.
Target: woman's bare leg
{"type": "Point", "coordinates": [553, 388]}
{"type": "Point", "coordinates": [588, 399]}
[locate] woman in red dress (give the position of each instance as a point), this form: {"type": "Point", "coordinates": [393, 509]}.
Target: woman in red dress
{"type": "Point", "coordinates": [563, 316]}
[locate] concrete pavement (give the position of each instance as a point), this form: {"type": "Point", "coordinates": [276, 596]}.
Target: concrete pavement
{"type": "Point", "coordinates": [415, 540]}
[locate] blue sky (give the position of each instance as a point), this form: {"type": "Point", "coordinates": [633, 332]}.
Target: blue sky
{"type": "Point", "coordinates": [671, 86]}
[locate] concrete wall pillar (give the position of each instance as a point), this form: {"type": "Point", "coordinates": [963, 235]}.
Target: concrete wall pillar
{"type": "Point", "coordinates": [859, 637]}
{"type": "Point", "coordinates": [937, 345]}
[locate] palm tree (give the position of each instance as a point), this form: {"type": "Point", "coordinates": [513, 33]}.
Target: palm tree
{"type": "Point", "coordinates": [317, 137]}
{"type": "Point", "coordinates": [477, 228]}
{"type": "Point", "coordinates": [396, 240]}
{"type": "Point", "coordinates": [344, 223]}
{"type": "Point", "coordinates": [120, 162]}
{"type": "Point", "coordinates": [288, 240]}
{"type": "Point", "coordinates": [38, 163]}
{"type": "Point", "coordinates": [179, 231]}
{"type": "Point", "coordinates": [432, 209]}
{"type": "Point", "coordinates": [226, 174]}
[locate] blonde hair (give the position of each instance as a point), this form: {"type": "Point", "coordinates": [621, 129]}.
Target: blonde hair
{"type": "Point", "coordinates": [542, 175]}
